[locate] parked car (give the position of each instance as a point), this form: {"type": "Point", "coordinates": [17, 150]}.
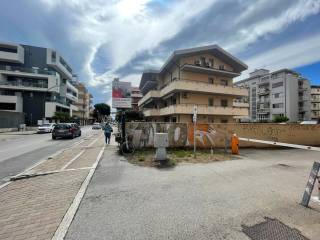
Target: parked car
{"type": "Point", "coordinates": [66, 130]}
{"type": "Point", "coordinates": [96, 126]}
{"type": "Point", "coordinates": [46, 128]}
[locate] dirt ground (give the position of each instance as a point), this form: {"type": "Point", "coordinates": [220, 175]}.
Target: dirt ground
{"type": "Point", "coordinates": [145, 157]}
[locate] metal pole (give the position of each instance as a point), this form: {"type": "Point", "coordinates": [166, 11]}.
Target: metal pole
{"type": "Point", "coordinates": [194, 138]}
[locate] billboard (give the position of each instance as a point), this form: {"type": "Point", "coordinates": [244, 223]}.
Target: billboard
{"type": "Point", "coordinates": [121, 94]}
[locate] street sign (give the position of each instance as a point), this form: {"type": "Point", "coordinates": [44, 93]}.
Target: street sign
{"type": "Point", "coordinates": [310, 184]}
{"type": "Point", "coordinates": [195, 112]}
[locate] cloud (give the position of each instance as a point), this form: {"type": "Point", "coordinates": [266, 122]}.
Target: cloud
{"type": "Point", "coordinates": [121, 38]}
{"type": "Point", "coordinates": [291, 55]}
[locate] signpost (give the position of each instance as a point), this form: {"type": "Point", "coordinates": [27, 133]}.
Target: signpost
{"type": "Point", "coordinates": [195, 111]}
{"type": "Point", "coordinates": [121, 94]}
{"type": "Point", "coordinates": [310, 184]}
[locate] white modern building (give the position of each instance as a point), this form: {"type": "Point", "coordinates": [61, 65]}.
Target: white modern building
{"type": "Point", "coordinates": [280, 93]}
{"type": "Point", "coordinates": [35, 81]}
{"type": "Point", "coordinates": [315, 102]}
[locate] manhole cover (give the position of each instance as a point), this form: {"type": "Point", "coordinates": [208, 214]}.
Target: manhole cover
{"type": "Point", "coordinates": [272, 229]}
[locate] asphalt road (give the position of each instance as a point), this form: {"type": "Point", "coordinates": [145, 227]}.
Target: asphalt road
{"type": "Point", "coordinates": [196, 201]}
{"type": "Point", "coordinates": [19, 152]}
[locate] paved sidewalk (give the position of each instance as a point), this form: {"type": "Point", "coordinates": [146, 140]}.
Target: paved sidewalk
{"type": "Point", "coordinates": [33, 207]}
{"type": "Point", "coordinates": [196, 201]}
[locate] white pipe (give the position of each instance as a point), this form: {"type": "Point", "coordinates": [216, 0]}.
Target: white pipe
{"type": "Point", "coordinates": [281, 144]}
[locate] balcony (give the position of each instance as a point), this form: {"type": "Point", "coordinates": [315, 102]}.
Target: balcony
{"type": "Point", "coordinates": [263, 91]}
{"type": "Point", "coordinates": [240, 104]}
{"type": "Point", "coordinates": [208, 70]}
{"type": "Point", "coordinates": [33, 71]}
{"type": "Point", "coordinates": [303, 109]}
{"type": "Point", "coordinates": [12, 99]}
{"type": "Point", "coordinates": [303, 98]}
{"type": "Point", "coordinates": [56, 61]}
{"type": "Point", "coordinates": [263, 111]}
{"type": "Point", "coordinates": [202, 109]}
{"type": "Point", "coordinates": [196, 87]}
{"type": "Point", "coordinates": [11, 53]}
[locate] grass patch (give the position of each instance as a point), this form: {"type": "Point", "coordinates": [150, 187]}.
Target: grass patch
{"type": "Point", "coordinates": [145, 157]}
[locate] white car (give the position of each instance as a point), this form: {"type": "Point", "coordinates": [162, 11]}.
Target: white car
{"type": "Point", "coordinates": [46, 128]}
{"type": "Point", "coordinates": [96, 126]}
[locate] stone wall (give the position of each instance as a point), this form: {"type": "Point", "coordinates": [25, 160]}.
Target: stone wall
{"type": "Point", "coordinates": [219, 134]}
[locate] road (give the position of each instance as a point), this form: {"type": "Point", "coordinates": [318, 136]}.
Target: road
{"type": "Point", "coordinates": [19, 152]}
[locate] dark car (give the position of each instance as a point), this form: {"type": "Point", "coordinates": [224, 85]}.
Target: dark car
{"type": "Point", "coordinates": [66, 130]}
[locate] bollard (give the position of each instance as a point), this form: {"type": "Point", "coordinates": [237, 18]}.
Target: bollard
{"type": "Point", "coordinates": [234, 144]}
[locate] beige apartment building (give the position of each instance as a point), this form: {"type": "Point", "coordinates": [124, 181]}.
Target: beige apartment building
{"type": "Point", "coordinates": [201, 76]}
{"type": "Point", "coordinates": [315, 102]}
{"type": "Point", "coordinates": [83, 104]}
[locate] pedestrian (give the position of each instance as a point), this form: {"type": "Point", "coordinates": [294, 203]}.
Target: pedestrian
{"type": "Point", "coordinates": [107, 132]}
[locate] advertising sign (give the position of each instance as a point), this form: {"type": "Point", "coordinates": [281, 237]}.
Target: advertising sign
{"type": "Point", "coordinates": [121, 94]}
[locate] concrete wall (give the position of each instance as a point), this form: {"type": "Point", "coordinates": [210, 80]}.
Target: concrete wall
{"type": "Point", "coordinates": [10, 119]}
{"type": "Point", "coordinates": [216, 135]}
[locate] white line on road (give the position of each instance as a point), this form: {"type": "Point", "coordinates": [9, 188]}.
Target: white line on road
{"type": "Point", "coordinates": [68, 217]}
{"type": "Point", "coordinates": [73, 159]}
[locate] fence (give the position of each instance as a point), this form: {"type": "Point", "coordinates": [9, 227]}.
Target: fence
{"type": "Point", "coordinates": [218, 134]}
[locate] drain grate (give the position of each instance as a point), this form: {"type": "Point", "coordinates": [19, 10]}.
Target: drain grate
{"type": "Point", "coordinates": [272, 229]}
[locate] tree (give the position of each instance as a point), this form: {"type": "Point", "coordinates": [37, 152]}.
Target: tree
{"type": "Point", "coordinates": [102, 110]}
{"type": "Point", "coordinates": [279, 119]}
{"type": "Point", "coordinates": [130, 115]}
{"type": "Point", "coordinates": [61, 116]}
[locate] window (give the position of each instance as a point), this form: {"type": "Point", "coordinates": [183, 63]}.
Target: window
{"type": "Point", "coordinates": [224, 103]}
{"type": "Point", "coordinates": [203, 61]}
{"type": "Point", "coordinates": [278, 84]}
{"type": "Point", "coordinates": [8, 106]}
{"type": "Point", "coordinates": [211, 62]}
{"type": "Point", "coordinates": [221, 67]}
{"type": "Point", "coordinates": [210, 102]}
{"type": "Point", "coordinates": [224, 82]}
{"type": "Point", "coordinates": [210, 80]}
{"type": "Point", "coordinates": [224, 120]}
{"type": "Point", "coordinates": [277, 105]}
{"type": "Point", "coordinates": [53, 56]}
{"type": "Point", "coordinates": [277, 95]}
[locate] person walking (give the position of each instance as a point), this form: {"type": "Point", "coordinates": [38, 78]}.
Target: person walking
{"type": "Point", "coordinates": [107, 132]}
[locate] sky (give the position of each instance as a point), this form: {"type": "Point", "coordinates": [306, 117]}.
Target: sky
{"type": "Point", "coordinates": [104, 39]}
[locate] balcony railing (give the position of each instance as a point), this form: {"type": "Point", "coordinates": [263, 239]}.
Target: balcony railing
{"type": "Point", "coordinates": [202, 109]}
{"type": "Point", "coordinates": [26, 70]}
{"type": "Point", "coordinates": [25, 84]}
{"type": "Point", "coordinates": [208, 70]}
{"type": "Point", "coordinates": [263, 91]}
{"type": "Point", "coordinates": [186, 85]}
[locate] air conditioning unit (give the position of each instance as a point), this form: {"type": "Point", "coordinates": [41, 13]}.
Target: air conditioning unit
{"type": "Point", "coordinates": [197, 62]}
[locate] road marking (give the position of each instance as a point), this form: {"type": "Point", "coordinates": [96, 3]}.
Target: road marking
{"type": "Point", "coordinates": [68, 217]}
{"type": "Point", "coordinates": [73, 159]}
{"type": "Point", "coordinates": [45, 159]}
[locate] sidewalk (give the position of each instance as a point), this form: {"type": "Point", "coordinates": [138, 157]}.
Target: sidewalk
{"type": "Point", "coordinates": [19, 133]}
{"type": "Point", "coordinates": [196, 201]}
{"type": "Point", "coordinates": [34, 204]}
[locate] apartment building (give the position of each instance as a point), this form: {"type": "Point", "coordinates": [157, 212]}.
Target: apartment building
{"type": "Point", "coordinates": [83, 104]}
{"type": "Point", "coordinates": [201, 76]}
{"type": "Point", "coordinates": [315, 102]}
{"type": "Point", "coordinates": [135, 98]}
{"type": "Point", "coordinates": [280, 93]}
{"type": "Point", "coordinates": [35, 81]}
